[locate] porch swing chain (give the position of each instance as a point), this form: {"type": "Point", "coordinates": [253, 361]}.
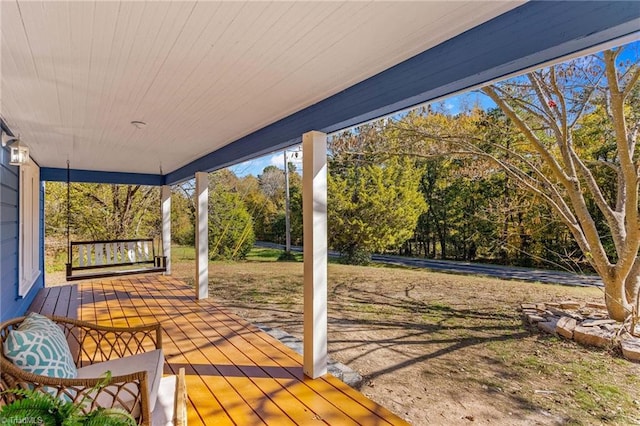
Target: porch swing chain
{"type": "Point", "coordinates": [68, 214]}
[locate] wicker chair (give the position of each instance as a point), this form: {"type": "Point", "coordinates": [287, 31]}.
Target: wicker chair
{"type": "Point", "coordinates": [91, 344]}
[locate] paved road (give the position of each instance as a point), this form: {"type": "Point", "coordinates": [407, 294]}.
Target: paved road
{"type": "Point", "coordinates": [498, 271]}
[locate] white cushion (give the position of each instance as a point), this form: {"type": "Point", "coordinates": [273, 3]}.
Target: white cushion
{"type": "Point", "coordinates": [164, 412]}
{"type": "Point", "coordinates": [152, 362]}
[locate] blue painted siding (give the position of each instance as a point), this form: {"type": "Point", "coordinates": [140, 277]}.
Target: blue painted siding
{"type": "Point", "coordinates": [10, 304]}
{"type": "Point", "coordinates": [41, 280]}
{"type": "Point", "coordinates": [534, 33]}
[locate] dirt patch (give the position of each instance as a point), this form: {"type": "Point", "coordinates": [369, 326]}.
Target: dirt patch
{"type": "Point", "coordinates": [443, 349]}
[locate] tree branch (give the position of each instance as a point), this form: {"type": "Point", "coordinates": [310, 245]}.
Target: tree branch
{"type": "Point", "coordinates": [556, 169]}
{"type": "Point", "coordinates": [591, 235]}
{"type": "Point", "coordinates": [632, 81]}
{"type": "Point", "coordinates": [614, 219]}
{"type": "Point", "coordinates": [630, 180]}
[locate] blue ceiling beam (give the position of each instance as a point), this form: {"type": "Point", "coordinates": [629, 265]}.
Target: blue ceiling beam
{"type": "Point", "coordinates": [530, 35]}
{"type": "Point", "coordinates": [51, 174]}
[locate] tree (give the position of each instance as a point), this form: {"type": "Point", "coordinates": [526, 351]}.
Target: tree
{"type": "Point", "coordinates": [278, 226]}
{"type": "Point", "coordinates": [550, 107]}
{"type": "Point", "coordinates": [272, 185]}
{"type": "Point", "coordinates": [371, 206]}
{"type": "Point", "coordinates": [55, 199]}
{"type": "Point", "coordinates": [529, 233]}
{"type": "Point", "coordinates": [104, 211]}
{"type": "Point", "coordinates": [183, 214]}
{"type": "Point", "coordinates": [230, 224]}
{"type": "Point", "coordinates": [262, 209]}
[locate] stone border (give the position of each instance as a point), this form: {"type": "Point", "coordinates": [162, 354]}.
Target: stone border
{"type": "Point", "coordinates": [585, 323]}
{"type": "Point", "coordinates": [341, 371]}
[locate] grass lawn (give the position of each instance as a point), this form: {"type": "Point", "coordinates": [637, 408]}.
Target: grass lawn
{"type": "Point", "coordinates": [439, 348]}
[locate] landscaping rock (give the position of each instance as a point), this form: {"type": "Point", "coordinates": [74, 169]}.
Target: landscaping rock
{"type": "Point", "coordinates": [595, 322]}
{"type": "Point", "coordinates": [564, 313]}
{"type": "Point", "coordinates": [576, 316]}
{"type": "Point", "coordinates": [631, 348]}
{"type": "Point", "coordinates": [569, 304]}
{"type": "Point", "coordinates": [588, 325]}
{"type": "Point", "coordinates": [592, 336]}
{"type": "Point", "coordinates": [565, 327]}
{"type": "Point", "coordinates": [556, 311]}
{"type": "Point", "coordinates": [601, 306]}
{"type": "Point", "coordinates": [584, 313]}
{"type": "Point", "coordinates": [534, 319]}
{"type": "Point", "coordinates": [548, 326]}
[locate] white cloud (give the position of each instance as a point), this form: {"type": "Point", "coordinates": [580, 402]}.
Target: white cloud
{"type": "Point", "coordinates": [277, 160]}
{"type": "Point", "coordinates": [250, 167]}
{"type": "Point", "coordinates": [257, 165]}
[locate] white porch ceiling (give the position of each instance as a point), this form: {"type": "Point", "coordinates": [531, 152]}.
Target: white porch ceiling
{"type": "Point", "coordinates": [200, 74]}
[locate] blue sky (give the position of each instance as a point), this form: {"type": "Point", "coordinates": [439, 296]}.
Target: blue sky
{"type": "Point", "coordinates": [257, 165]}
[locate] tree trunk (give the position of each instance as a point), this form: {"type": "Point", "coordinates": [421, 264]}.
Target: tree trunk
{"type": "Point", "coordinates": [616, 299]}
{"type": "Point", "coordinates": [632, 286]}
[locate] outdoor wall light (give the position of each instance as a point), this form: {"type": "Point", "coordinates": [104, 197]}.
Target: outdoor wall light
{"type": "Point", "coordinates": [19, 152]}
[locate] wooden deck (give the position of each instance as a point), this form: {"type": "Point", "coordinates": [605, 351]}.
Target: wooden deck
{"type": "Point", "coordinates": [236, 374]}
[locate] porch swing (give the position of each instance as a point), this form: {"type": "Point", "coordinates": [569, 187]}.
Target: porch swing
{"type": "Point", "coordinates": [109, 258]}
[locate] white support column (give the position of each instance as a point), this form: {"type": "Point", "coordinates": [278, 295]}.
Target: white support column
{"type": "Point", "coordinates": [166, 226]}
{"type": "Point", "coordinates": [314, 218]}
{"type": "Point", "coordinates": [202, 235]}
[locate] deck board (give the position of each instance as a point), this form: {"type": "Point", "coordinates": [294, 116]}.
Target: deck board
{"type": "Point", "coordinates": [236, 373]}
{"type": "Point", "coordinates": [39, 300]}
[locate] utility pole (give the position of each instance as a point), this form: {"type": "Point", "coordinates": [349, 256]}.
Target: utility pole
{"type": "Point", "coordinates": [287, 220]}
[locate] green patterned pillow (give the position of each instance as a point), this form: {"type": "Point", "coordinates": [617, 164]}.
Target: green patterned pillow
{"type": "Point", "coordinates": [40, 347]}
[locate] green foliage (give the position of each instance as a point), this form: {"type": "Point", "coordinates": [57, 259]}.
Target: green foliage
{"type": "Point", "coordinates": [372, 207]}
{"type": "Point", "coordinates": [278, 225]}
{"type": "Point", "coordinates": [266, 202]}
{"type": "Point", "coordinates": [287, 256]}
{"type": "Point", "coordinates": [355, 256]}
{"type": "Point", "coordinates": [479, 212]}
{"type": "Point", "coordinates": [108, 417]}
{"type": "Point", "coordinates": [102, 211]}
{"type": "Point", "coordinates": [295, 206]}
{"type": "Point", "coordinates": [37, 407]}
{"type": "Point", "coordinates": [182, 216]}
{"type": "Point", "coordinates": [230, 224]}
{"type": "Point", "coordinates": [263, 209]}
